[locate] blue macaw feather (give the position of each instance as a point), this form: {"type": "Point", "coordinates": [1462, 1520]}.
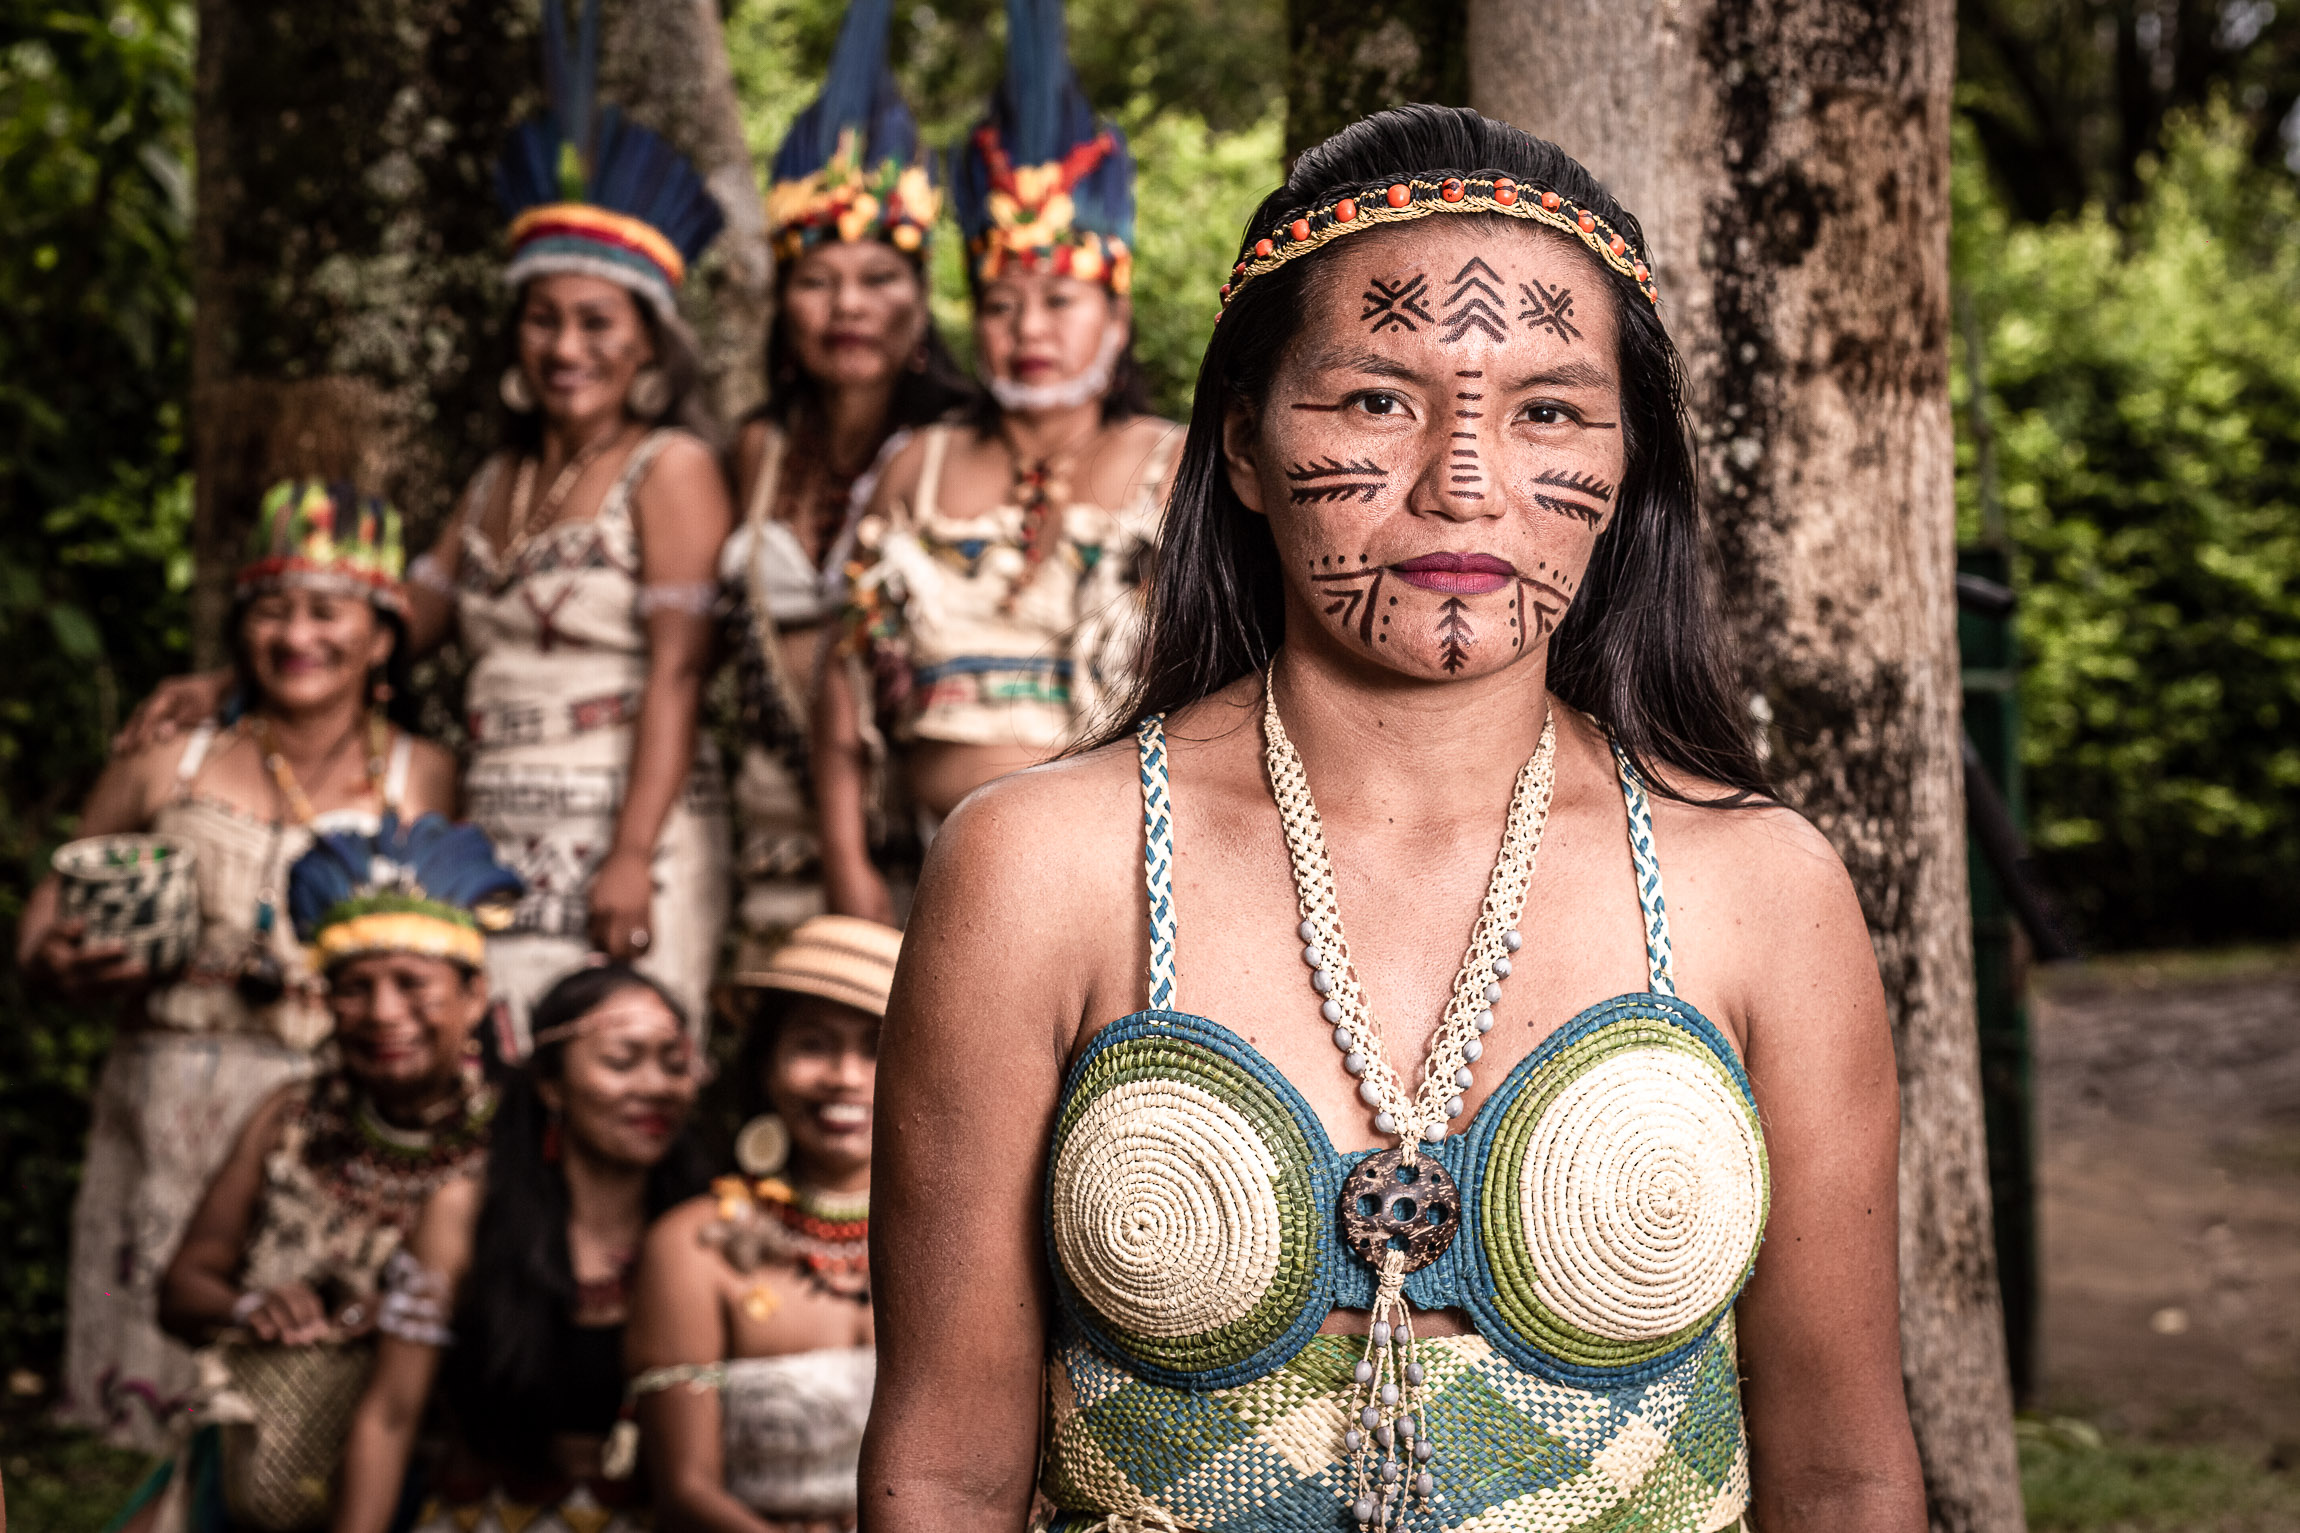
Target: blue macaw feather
{"type": "Point", "coordinates": [453, 864]}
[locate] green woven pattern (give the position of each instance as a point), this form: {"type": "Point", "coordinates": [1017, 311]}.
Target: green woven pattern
{"type": "Point", "coordinates": [1654, 1048]}
{"type": "Point", "coordinates": [1515, 1453]}
{"type": "Point", "coordinates": [1222, 1128]}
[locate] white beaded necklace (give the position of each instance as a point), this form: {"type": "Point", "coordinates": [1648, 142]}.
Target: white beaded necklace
{"type": "Point", "coordinates": [1390, 1451]}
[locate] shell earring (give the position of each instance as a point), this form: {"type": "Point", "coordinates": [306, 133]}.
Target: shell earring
{"type": "Point", "coordinates": [649, 394]}
{"type": "Point", "coordinates": [763, 1146]}
{"type": "Point", "coordinates": [518, 397]}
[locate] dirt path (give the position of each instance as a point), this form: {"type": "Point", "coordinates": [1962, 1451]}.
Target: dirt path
{"type": "Point", "coordinates": [2168, 1116]}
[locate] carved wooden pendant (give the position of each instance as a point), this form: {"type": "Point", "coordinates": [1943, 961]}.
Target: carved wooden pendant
{"type": "Point", "coordinates": [1388, 1205]}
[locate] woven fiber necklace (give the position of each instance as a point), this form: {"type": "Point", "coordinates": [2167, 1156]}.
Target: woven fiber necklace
{"type": "Point", "coordinates": [1400, 1211]}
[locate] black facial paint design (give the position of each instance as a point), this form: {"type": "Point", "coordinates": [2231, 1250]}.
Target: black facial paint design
{"type": "Point", "coordinates": [1322, 409]}
{"type": "Point", "coordinates": [1397, 303]}
{"type": "Point", "coordinates": [1474, 304]}
{"type": "Point", "coordinates": [1584, 495]}
{"type": "Point", "coordinates": [1549, 308]}
{"type": "Point", "coordinates": [1351, 594]}
{"type": "Point", "coordinates": [1341, 481]}
{"type": "Point", "coordinates": [1464, 473]}
{"type": "Point", "coordinates": [1538, 605]}
{"type": "Point", "coordinates": [1454, 635]}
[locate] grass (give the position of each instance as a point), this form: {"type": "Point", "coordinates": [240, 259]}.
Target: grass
{"type": "Point", "coordinates": [62, 1481]}
{"type": "Point", "coordinates": [2077, 1481]}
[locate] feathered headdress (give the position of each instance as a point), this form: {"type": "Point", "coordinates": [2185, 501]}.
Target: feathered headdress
{"type": "Point", "coordinates": [851, 167]}
{"type": "Point", "coordinates": [1042, 184]}
{"type": "Point", "coordinates": [429, 888]}
{"type": "Point", "coordinates": [325, 537]}
{"type": "Point", "coordinates": [592, 194]}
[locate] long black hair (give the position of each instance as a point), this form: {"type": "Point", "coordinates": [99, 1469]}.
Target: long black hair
{"type": "Point", "coordinates": [922, 395]}
{"type": "Point", "coordinates": [1641, 649]}
{"type": "Point", "coordinates": [518, 1299]}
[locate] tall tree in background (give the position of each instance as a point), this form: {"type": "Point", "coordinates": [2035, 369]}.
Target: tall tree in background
{"type": "Point", "coordinates": [1790, 161]}
{"type": "Point", "coordinates": [1347, 61]}
{"type": "Point", "coordinates": [348, 317]}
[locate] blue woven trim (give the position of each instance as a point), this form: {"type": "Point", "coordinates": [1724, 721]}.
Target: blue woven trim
{"type": "Point", "coordinates": [1478, 1290]}
{"type": "Point", "coordinates": [1659, 962]}
{"type": "Point", "coordinates": [1158, 858]}
{"type": "Point", "coordinates": [1325, 1187]}
{"type": "Point", "coordinates": [986, 665]}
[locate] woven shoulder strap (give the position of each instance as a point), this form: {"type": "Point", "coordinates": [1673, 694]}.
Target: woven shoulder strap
{"type": "Point", "coordinates": [1158, 858]}
{"type": "Point", "coordinates": [1660, 966]}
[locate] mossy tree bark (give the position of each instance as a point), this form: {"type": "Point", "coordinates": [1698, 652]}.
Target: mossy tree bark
{"type": "Point", "coordinates": [349, 316]}
{"type": "Point", "coordinates": [1347, 61]}
{"type": "Point", "coordinates": [1789, 160]}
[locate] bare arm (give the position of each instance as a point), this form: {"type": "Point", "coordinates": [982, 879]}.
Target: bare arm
{"type": "Point", "coordinates": [983, 1016]}
{"type": "Point", "coordinates": [677, 1317]}
{"type": "Point", "coordinates": [1829, 1439]}
{"type": "Point", "coordinates": [384, 1424]}
{"type": "Point", "coordinates": [202, 1283]}
{"type": "Point", "coordinates": [683, 517]}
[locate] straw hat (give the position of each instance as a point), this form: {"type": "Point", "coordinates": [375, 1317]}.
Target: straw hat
{"type": "Point", "coordinates": [841, 958]}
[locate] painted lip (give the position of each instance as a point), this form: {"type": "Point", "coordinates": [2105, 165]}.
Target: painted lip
{"type": "Point", "coordinates": [1456, 574]}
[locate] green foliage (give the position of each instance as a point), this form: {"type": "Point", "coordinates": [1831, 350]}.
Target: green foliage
{"type": "Point", "coordinates": [1206, 155]}
{"type": "Point", "coordinates": [95, 129]}
{"type": "Point", "coordinates": [61, 1481]}
{"type": "Point", "coordinates": [2143, 396]}
{"type": "Point", "coordinates": [2076, 1481]}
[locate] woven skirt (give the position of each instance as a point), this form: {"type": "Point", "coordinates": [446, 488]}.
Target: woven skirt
{"type": "Point", "coordinates": [1515, 1453]}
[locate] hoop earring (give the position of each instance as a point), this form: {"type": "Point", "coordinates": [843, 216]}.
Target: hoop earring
{"type": "Point", "coordinates": [649, 394]}
{"type": "Point", "coordinates": [518, 397]}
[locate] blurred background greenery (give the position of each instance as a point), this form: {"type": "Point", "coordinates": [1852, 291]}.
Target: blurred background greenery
{"type": "Point", "coordinates": [2127, 264]}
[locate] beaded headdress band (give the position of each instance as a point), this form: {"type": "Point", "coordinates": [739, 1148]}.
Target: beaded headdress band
{"type": "Point", "coordinates": [325, 537]}
{"type": "Point", "coordinates": [426, 887]}
{"type": "Point", "coordinates": [1403, 201]}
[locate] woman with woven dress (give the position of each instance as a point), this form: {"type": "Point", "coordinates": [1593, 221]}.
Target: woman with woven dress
{"type": "Point", "coordinates": [578, 568]}
{"type": "Point", "coordinates": [997, 564]}
{"type": "Point", "coordinates": [853, 360]}
{"type": "Point", "coordinates": [514, 1296]}
{"type": "Point", "coordinates": [318, 640]}
{"type": "Point", "coordinates": [1593, 1225]}
{"type": "Point", "coordinates": [751, 1322]}
{"type": "Point", "coordinates": [282, 1266]}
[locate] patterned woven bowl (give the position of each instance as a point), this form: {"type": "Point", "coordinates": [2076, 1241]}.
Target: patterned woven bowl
{"type": "Point", "coordinates": [136, 890]}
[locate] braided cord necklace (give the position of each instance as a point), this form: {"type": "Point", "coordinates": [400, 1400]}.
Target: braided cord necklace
{"type": "Point", "coordinates": [1400, 1211]}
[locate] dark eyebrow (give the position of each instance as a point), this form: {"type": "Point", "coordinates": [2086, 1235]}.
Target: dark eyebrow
{"type": "Point", "coordinates": [1566, 375]}
{"type": "Point", "coordinates": [1361, 362]}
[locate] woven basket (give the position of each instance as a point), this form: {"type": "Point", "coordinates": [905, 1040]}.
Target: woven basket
{"type": "Point", "coordinates": [279, 1464]}
{"type": "Point", "coordinates": [136, 890]}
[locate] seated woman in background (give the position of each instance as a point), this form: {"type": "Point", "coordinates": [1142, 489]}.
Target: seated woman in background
{"type": "Point", "coordinates": [285, 1254]}
{"type": "Point", "coordinates": [588, 1146]}
{"type": "Point", "coordinates": [751, 1321]}
{"type": "Point", "coordinates": [317, 630]}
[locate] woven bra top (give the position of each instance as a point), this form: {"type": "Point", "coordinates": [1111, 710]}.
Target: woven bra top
{"type": "Point", "coordinates": [1612, 1190]}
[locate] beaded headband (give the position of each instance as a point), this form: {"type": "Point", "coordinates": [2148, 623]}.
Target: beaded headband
{"type": "Point", "coordinates": [1403, 201]}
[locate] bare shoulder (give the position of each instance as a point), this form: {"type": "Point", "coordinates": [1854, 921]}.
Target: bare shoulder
{"type": "Point", "coordinates": [684, 459]}
{"type": "Point", "coordinates": [430, 777]}
{"type": "Point", "coordinates": [1140, 446]}
{"type": "Point", "coordinates": [1051, 826]}
{"type": "Point", "coordinates": [1777, 861]}
{"type": "Point", "coordinates": [678, 1235]}
{"type": "Point", "coordinates": [268, 1123]}
{"type": "Point", "coordinates": [899, 480]}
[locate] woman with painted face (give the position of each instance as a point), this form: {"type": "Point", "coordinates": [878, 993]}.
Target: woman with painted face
{"type": "Point", "coordinates": [854, 363]}
{"type": "Point", "coordinates": [578, 567]}
{"type": "Point", "coordinates": [1415, 1184]}
{"type": "Point", "coordinates": [751, 1325]}
{"type": "Point", "coordinates": [514, 1295]}
{"type": "Point", "coordinates": [282, 1267]}
{"type": "Point", "coordinates": [318, 628]}
{"type": "Point", "coordinates": [997, 565]}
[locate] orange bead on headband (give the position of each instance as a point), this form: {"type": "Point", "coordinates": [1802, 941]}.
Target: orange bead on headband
{"type": "Point", "coordinates": [1400, 202]}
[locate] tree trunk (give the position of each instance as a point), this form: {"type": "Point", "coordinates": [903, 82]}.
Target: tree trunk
{"type": "Point", "coordinates": [1349, 61]}
{"type": "Point", "coordinates": [1789, 160]}
{"type": "Point", "coordinates": [347, 241]}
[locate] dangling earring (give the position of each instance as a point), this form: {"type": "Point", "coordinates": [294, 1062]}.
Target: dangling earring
{"type": "Point", "coordinates": [763, 1146]}
{"type": "Point", "coordinates": [649, 394]}
{"type": "Point", "coordinates": [518, 397]}
{"type": "Point", "coordinates": [551, 1141]}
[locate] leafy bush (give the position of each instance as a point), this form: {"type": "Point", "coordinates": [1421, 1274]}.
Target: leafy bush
{"type": "Point", "coordinates": [2143, 393]}
{"type": "Point", "coordinates": [95, 198]}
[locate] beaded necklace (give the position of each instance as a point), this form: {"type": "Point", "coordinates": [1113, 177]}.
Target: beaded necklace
{"type": "Point", "coordinates": [825, 1235]}
{"type": "Point", "coordinates": [1400, 1210]}
{"type": "Point", "coordinates": [378, 1169]}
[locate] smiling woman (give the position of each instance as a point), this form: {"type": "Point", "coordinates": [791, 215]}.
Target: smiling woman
{"type": "Point", "coordinates": [1386, 1232]}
